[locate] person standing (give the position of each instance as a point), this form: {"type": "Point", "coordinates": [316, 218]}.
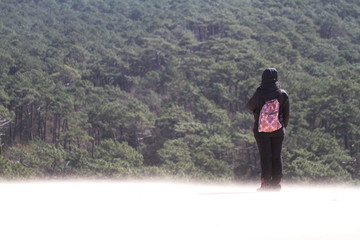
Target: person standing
{"type": "Point", "coordinates": [270, 107]}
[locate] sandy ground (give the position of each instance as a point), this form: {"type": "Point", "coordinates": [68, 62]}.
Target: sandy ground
{"type": "Point", "coordinates": [154, 210]}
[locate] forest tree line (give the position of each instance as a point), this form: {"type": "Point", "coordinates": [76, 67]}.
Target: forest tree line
{"type": "Point", "coordinates": [158, 88]}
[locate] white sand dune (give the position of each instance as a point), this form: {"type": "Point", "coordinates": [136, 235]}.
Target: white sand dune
{"type": "Point", "coordinates": [153, 210]}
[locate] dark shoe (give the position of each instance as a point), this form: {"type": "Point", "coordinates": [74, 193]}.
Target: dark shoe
{"type": "Point", "coordinates": [276, 187]}
{"type": "Point", "coordinates": [263, 188]}
{"type": "Point", "coordinates": [269, 188]}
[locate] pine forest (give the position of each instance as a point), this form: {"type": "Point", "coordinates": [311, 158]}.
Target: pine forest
{"type": "Point", "coordinates": [158, 88]}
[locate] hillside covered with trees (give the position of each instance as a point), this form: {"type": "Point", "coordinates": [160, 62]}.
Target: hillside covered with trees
{"type": "Point", "coordinates": [158, 88]}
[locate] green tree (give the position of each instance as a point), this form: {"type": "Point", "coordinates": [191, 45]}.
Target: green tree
{"type": "Point", "coordinates": [176, 158]}
{"type": "Point", "coordinates": [114, 159]}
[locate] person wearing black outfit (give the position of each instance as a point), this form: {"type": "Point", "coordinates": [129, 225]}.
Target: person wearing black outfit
{"type": "Point", "coordinates": [270, 143]}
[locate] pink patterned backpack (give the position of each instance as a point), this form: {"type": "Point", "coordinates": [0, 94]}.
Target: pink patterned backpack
{"type": "Point", "coordinates": [269, 116]}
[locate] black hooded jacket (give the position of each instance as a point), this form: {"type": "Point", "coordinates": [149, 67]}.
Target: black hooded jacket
{"type": "Point", "coordinates": [268, 90]}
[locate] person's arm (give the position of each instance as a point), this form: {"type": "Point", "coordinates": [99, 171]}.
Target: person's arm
{"type": "Point", "coordinates": [286, 112]}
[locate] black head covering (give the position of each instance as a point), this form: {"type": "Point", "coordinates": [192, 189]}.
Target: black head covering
{"type": "Point", "coordinates": [269, 79]}
{"type": "Point", "coordinates": [269, 76]}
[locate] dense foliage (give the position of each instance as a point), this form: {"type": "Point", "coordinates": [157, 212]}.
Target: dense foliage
{"type": "Point", "coordinates": [135, 88]}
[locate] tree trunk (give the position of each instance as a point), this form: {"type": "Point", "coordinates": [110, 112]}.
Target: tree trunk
{"type": "Point", "coordinates": [31, 122]}
{"type": "Point", "coordinates": [54, 129]}
{"type": "Point", "coordinates": [45, 124]}
{"type": "Point", "coordinates": [21, 123]}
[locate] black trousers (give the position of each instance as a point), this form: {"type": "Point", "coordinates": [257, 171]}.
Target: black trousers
{"type": "Point", "coordinates": [270, 146]}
